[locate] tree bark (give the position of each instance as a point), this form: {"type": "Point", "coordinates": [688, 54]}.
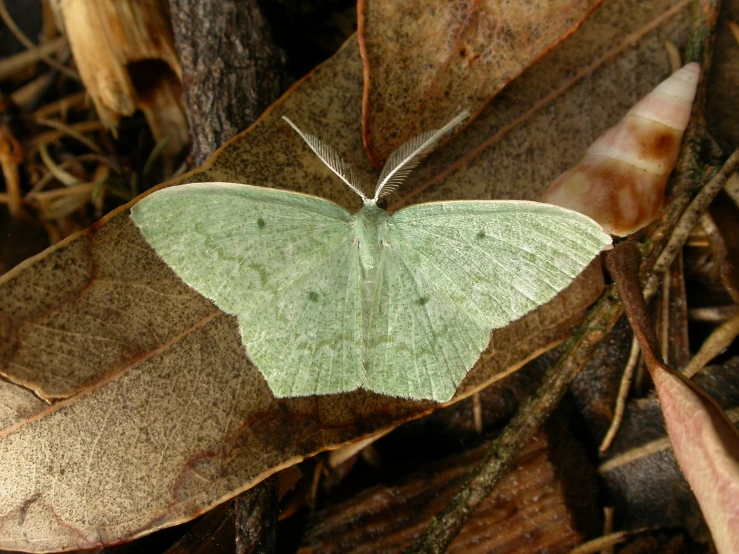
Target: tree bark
{"type": "Point", "coordinates": [232, 70]}
{"type": "Point", "coordinates": [256, 518]}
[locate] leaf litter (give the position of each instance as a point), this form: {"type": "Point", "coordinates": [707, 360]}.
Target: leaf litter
{"type": "Point", "coordinates": [476, 156]}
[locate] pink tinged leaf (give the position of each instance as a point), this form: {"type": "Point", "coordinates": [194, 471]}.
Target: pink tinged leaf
{"type": "Point", "coordinates": [706, 446]}
{"type": "Point", "coordinates": [621, 180]}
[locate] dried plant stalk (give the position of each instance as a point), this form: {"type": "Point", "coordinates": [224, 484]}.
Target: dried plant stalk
{"type": "Point", "coordinates": [124, 50]}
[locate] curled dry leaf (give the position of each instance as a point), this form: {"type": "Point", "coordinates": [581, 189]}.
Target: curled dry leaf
{"type": "Point", "coordinates": [706, 445]}
{"type": "Point", "coordinates": [705, 441]}
{"type": "Point", "coordinates": [641, 476]}
{"type": "Point", "coordinates": [621, 180]}
{"type": "Point", "coordinates": [161, 416]}
{"type": "Point", "coordinates": [426, 60]}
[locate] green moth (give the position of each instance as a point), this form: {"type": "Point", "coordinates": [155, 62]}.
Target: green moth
{"type": "Point", "coordinates": [399, 304]}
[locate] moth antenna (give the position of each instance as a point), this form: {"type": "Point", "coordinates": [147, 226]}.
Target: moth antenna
{"type": "Point", "coordinates": [406, 158]}
{"type": "Point", "coordinates": [329, 156]}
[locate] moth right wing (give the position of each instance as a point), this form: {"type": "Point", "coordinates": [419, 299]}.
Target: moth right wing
{"type": "Point", "coordinates": [282, 262]}
{"type": "Point", "coordinates": [420, 342]}
{"type": "Point", "coordinates": [452, 272]}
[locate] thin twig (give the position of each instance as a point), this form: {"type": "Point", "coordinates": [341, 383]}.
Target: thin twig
{"type": "Point", "coordinates": [70, 131]}
{"type": "Point", "coordinates": [664, 316]}
{"type": "Point", "coordinates": [716, 343]}
{"type": "Point", "coordinates": [623, 393]}
{"type": "Point", "coordinates": [13, 65]}
{"type": "Point", "coordinates": [61, 106]}
{"type": "Point", "coordinates": [686, 222]}
{"type": "Point", "coordinates": [29, 93]}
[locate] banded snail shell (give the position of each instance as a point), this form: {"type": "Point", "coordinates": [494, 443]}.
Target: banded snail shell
{"type": "Point", "coordinates": [620, 182]}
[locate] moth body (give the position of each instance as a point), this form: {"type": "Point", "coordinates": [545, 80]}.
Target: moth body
{"type": "Point", "coordinates": [370, 227]}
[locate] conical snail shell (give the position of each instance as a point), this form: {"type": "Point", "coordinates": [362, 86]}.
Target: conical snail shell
{"type": "Point", "coordinates": [620, 182]}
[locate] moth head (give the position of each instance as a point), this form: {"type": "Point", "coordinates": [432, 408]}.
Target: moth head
{"type": "Point", "coordinates": [400, 164]}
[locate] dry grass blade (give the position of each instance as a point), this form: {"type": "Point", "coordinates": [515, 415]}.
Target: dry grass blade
{"type": "Point", "coordinates": [71, 132]}
{"type": "Point", "coordinates": [623, 393]}
{"type": "Point", "coordinates": [716, 343]}
{"type": "Point", "coordinates": [23, 39]}
{"type": "Point", "coordinates": [601, 543]}
{"type": "Point", "coordinates": [57, 172]}
{"type": "Point", "coordinates": [14, 64]}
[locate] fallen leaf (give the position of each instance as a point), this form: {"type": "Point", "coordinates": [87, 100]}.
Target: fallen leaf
{"type": "Point", "coordinates": [642, 479]}
{"type": "Point", "coordinates": [533, 509]}
{"type": "Point", "coordinates": [424, 61]}
{"type": "Point", "coordinates": [162, 416]}
{"type": "Point", "coordinates": [704, 440]}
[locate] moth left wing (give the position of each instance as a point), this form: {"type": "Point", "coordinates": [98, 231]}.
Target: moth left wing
{"type": "Point", "coordinates": [282, 262]}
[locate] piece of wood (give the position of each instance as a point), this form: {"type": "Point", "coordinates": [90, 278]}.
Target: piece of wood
{"type": "Point", "coordinates": [125, 54]}
{"type": "Point", "coordinates": [231, 67]}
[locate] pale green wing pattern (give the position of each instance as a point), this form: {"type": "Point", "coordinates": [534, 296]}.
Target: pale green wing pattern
{"type": "Point", "coordinates": [282, 262]}
{"type": "Point", "coordinates": [475, 266]}
{"type": "Point", "coordinates": [420, 342]}
{"type": "Point", "coordinates": [309, 339]}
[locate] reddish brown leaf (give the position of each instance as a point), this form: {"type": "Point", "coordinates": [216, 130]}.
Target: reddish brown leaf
{"type": "Point", "coordinates": [642, 479]}
{"type": "Point", "coordinates": [705, 442]}
{"type": "Point", "coordinates": [424, 61]}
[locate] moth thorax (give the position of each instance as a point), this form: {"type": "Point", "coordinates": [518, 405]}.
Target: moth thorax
{"type": "Point", "coordinates": [370, 231]}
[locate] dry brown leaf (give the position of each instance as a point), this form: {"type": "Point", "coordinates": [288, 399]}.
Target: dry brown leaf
{"type": "Point", "coordinates": [168, 417]}
{"type": "Point", "coordinates": [704, 439]}
{"type": "Point", "coordinates": [641, 476]}
{"type": "Point", "coordinates": [424, 61]}
{"type": "Point", "coordinates": [533, 509]}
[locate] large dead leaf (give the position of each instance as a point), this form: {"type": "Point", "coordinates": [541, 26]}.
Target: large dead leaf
{"type": "Point", "coordinates": [425, 60]}
{"type": "Point", "coordinates": [163, 416]}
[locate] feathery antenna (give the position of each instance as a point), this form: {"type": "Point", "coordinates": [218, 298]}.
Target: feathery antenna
{"type": "Point", "coordinates": [329, 156]}
{"type": "Point", "coordinates": [405, 158]}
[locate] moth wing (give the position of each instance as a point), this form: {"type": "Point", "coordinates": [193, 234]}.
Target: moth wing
{"type": "Point", "coordinates": [420, 343]}
{"type": "Point", "coordinates": [282, 262]}
{"type": "Point", "coordinates": [478, 266]}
